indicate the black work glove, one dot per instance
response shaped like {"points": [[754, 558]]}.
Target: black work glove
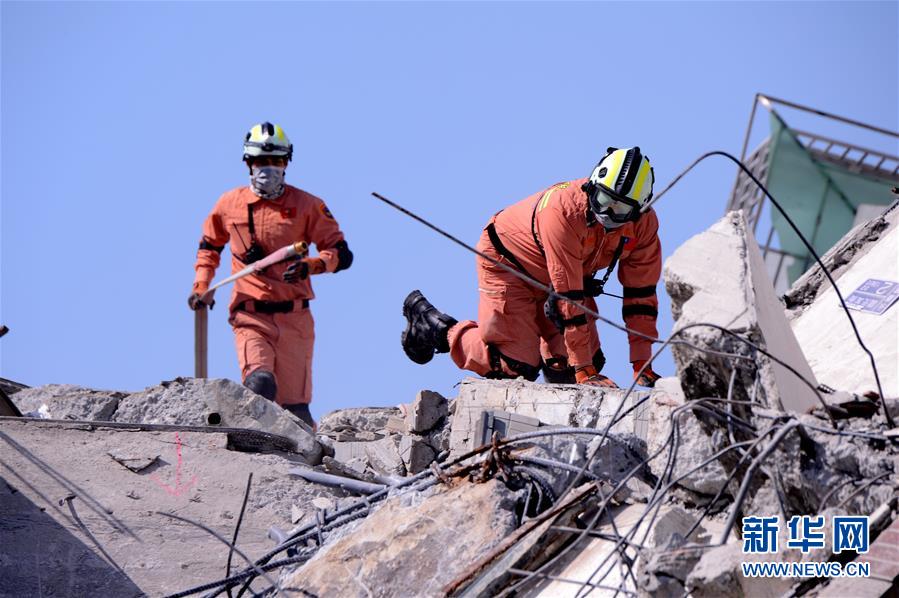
{"points": [[297, 271], [301, 269], [593, 287], [552, 313], [195, 303]]}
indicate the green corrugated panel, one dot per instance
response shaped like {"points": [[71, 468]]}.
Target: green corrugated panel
{"points": [[820, 198]]}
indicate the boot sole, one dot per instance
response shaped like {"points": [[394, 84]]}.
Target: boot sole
{"points": [[419, 357]]}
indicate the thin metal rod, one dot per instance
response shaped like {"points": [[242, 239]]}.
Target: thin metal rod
{"points": [[243, 507], [514, 271], [220, 538], [747, 479], [755, 103], [864, 486], [844, 119]]}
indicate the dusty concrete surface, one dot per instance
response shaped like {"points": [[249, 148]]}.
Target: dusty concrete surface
{"points": [[410, 547], [182, 401], [69, 507], [827, 337]]}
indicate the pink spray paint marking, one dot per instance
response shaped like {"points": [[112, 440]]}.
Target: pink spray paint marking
{"points": [[178, 489]]}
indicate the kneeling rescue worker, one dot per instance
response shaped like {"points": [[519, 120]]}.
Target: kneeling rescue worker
{"points": [[269, 311], [562, 237]]}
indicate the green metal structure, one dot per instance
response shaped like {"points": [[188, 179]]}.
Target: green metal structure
{"points": [[826, 186]]}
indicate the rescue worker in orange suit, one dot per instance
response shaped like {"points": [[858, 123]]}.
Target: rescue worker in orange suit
{"points": [[269, 312], [562, 236]]}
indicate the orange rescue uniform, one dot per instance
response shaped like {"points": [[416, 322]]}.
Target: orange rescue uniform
{"points": [[556, 239], [273, 326]]}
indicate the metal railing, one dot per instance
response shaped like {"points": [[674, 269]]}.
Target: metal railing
{"points": [[851, 157]]}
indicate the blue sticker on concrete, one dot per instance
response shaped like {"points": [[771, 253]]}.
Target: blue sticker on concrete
{"points": [[874, 296]]}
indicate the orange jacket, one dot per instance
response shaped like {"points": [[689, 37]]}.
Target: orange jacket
{"points": [[559, 242], [295, 216]]}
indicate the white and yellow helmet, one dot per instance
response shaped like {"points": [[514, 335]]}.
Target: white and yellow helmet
{"points": [[266, 139], [621, 184]]}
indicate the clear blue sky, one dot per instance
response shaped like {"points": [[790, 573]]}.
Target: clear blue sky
{"points": [[122, 123]]}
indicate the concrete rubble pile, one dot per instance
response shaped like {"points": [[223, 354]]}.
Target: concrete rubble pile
{"points": [[510, 487]]}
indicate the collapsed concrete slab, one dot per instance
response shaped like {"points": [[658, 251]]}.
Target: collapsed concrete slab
{"points": [[598, 561], [215, 402], [820, 323], [426, 411], [351, 424], [718, 277], [182, 401], [553, 404], [410, 546], [838, 259], [76, 520], [392, 441], [67, 401]]}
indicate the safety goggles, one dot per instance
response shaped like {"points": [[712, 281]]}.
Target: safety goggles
{"points": [[618, 208]]}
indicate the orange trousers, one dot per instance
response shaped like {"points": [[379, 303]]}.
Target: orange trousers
{"points": [[510, 318], [278, 343]]}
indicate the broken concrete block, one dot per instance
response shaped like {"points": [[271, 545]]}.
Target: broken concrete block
{"points": [[344, 452], [357, 419], [672, 526], [428, 408], [132, 460], [416, 454], [719, 277], [662, 573], [215, 402], [67, 401], [811, 466], [694, 447], [824, 331], [410, 548], [719, 573], [551, 404], [384, 456], [396, 424], [439, 438], [617, 456]]}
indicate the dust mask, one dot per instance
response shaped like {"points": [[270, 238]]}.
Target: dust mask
{"points": [[267, 181], [607, 223]]}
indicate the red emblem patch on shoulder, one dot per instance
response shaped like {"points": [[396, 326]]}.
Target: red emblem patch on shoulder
{"points": [[325, 211], [288, 212]]}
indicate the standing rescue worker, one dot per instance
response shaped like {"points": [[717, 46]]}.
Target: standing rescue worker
{"points": [[561, 237], [273, 326]]}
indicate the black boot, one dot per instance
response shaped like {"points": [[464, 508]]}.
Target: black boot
{"points": [[301, 410], [426, 329], [263, 383], [557, 371]]}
